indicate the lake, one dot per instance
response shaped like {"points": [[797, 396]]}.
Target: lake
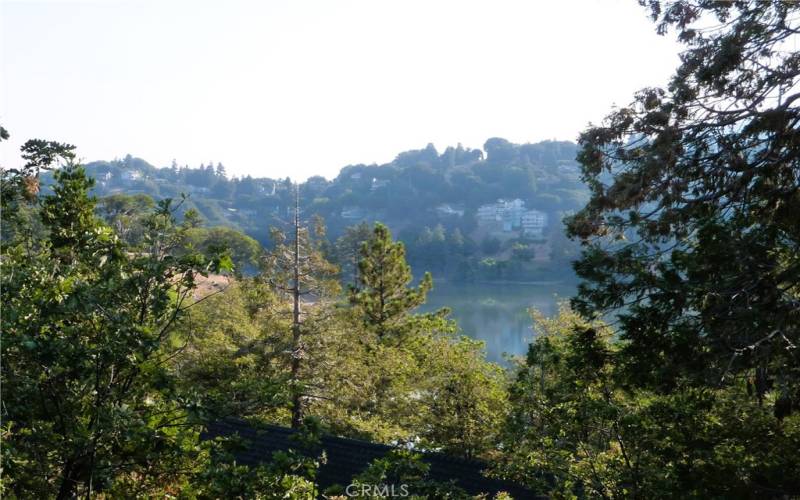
{"points": [[498, 314]]}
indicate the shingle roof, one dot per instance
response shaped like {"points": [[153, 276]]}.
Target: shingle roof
{"points": [[349, 457]]}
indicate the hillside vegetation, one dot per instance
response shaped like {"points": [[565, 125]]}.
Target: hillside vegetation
{"points": [[429, 199]]}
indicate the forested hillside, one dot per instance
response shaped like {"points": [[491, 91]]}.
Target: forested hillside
{"points": [[429, 199]]}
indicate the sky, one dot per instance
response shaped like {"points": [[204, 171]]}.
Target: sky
{"points": [[298, 88]]}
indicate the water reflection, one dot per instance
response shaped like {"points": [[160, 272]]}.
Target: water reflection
{"points": [[498, 314]]}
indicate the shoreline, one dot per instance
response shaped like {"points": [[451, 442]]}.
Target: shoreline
{"points": [[503, 282]]}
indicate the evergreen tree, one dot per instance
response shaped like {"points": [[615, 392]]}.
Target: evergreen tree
{"points": [[692, 231], [220, 171], [383, 297], [298, 268]]}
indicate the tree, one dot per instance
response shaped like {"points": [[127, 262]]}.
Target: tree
{"points": [[691, 238], [578, 429], [466, 397], [22, 185], [229, 363], [692, 224], [423, 380], [298, 268], [456, 241], [561, 426], [220, 171], [348, 250], [499, 151], [127, 214], [402, 473], [192, 219], [86, 328], [382, 297], [245, 252]]}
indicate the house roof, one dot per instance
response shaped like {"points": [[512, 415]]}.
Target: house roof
{"points": [[349, 457]]}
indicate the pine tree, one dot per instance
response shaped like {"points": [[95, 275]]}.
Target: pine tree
{"points": [[220, 171], [383, 296], [297, 268]]}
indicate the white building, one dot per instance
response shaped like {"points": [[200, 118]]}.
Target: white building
{"points": [[447, 210], [512, 213], [267, 188], [131, 175], [533, 223], [487, 213], [378, 183], [353, 213], [507, 212]]}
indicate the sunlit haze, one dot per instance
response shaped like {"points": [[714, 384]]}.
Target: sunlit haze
{"points": [[301, 88]]}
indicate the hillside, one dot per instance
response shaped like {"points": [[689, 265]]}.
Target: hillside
{"points": [[464, 213]]}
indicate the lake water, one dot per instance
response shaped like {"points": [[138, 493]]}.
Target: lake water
{"points": [[498, 314]]}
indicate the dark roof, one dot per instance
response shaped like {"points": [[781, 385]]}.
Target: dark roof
{"points": [[349, 457]]}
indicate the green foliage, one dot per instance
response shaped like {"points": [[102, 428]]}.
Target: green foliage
{"points": [[298, 268], [245, 252], [691, 232], [691, 237], [465, 401], [414, 379], [117, 358], [382, 296], [84, 325], [228, 363], [290, 474], [347, 251], [402, 473], [128, 215], [578, 429], [20, 186], [544, 175]]}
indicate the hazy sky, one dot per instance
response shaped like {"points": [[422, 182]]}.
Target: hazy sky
{"points": [[300, 88]]}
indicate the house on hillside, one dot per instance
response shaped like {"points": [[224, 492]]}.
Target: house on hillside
{"points": [[533, 223], [447, 210], [378, 183], [131, 175], [353, 213], [104, 178], [487, 214], [266, 188], [506, 214]]}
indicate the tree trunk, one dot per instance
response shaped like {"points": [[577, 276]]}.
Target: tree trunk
{"points": [[297, 348], [68, 483]]}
